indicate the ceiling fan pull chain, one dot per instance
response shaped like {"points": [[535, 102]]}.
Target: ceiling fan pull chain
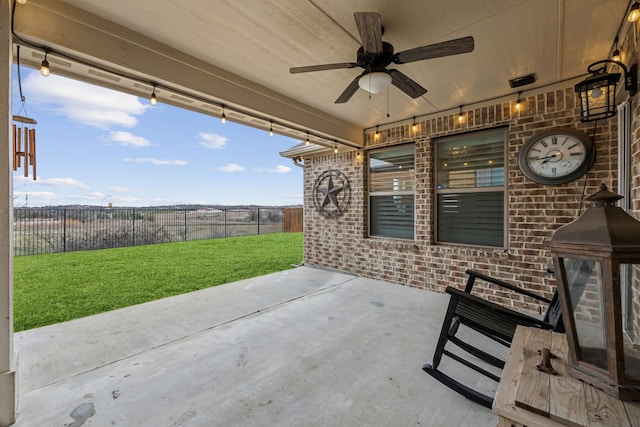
{"points": [[388, 115]]}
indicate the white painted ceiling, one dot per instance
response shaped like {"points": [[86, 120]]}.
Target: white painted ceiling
{"points": [[260, 40]]}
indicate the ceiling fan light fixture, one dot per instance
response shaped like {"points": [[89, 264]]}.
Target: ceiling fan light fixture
{"points": [[374, 82]]}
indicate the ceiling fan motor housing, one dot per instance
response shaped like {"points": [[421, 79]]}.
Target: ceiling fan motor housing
{"points": [[375, 61]]}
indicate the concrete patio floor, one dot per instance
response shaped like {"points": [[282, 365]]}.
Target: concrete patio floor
{"points": [[303, 347]]}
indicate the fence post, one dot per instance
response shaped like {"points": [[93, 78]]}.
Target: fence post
{"points": [[185, 225], [64, 231], [133, 226]]}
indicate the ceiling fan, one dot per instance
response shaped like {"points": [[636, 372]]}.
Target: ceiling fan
{"points": [[375, 55]]}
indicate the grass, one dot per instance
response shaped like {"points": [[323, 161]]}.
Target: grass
{"points": [[58, 287]]}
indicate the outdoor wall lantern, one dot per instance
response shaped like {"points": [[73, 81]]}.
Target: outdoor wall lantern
{"points": [[597, 92], [596, 257]]}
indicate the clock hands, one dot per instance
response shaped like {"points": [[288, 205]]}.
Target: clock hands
{"points": [[546, 158]]}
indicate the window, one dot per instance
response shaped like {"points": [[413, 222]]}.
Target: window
{"points": [[470, 189], [391, 192]]}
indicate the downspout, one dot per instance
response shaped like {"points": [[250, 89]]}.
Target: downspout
{"points": [[296, 161]]}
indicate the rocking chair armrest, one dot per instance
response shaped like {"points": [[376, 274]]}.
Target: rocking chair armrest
{"points": [[476, 274]]}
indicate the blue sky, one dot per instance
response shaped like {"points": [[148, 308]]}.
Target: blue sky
{"points": [[96, 146]]}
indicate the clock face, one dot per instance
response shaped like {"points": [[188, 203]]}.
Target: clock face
{"points": [[557, 156]]}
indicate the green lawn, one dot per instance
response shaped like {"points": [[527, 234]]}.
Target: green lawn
{"points": [[54, 288]]}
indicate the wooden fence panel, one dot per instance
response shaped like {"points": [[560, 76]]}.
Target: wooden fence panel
{"points": [[293, 220]]}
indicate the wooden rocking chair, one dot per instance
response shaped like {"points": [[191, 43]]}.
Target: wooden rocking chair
{"points": [[489, 319]]}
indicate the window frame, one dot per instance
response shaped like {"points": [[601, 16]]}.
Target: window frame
{"points": [[371, 194], [474, 190]]}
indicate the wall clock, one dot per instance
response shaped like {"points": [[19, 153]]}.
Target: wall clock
{"points": [[556, 156]]}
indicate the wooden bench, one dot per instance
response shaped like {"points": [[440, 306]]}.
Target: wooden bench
{"points": [[489, 319]]}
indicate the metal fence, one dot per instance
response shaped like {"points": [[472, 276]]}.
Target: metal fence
{"points": [[48, 230]]}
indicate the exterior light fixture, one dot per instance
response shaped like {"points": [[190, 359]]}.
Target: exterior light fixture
{"points": [[223, 118], [616, 52], [460, 116], [634, 13], [335, 149], [596, 257], [271, 128], [44, 66], [518, 103], [414, 127], [597, 92], [307, 142], [154, 98], [374, 82], [377, 134]]}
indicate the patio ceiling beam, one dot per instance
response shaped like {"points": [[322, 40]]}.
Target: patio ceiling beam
{"points": [[109, 46]]}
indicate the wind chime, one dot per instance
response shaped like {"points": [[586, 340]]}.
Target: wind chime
{"points": [[24, 145]]}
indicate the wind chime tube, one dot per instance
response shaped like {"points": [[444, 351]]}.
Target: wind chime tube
{"points": [[19, 147], [32, 157], [26, 152], [15, 149]]}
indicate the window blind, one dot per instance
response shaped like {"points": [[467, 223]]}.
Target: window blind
{"points": [[391, 190]]}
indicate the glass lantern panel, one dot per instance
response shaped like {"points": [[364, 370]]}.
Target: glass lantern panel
{"points": [[585, 283], [630, 283]]}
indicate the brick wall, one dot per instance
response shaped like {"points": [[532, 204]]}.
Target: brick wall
{"points": [[534, 210]]}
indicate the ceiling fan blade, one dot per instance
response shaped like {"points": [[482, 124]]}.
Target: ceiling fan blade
{"points": [[405, 84], [323, 67], [437, 50], [370, 29], [349, 91]]}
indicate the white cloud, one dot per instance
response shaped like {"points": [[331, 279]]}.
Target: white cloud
{"points": [[93, 196], [127, 139], [84, 103], [277, 169], [212, 140], [157, 162], [37, 195], [62, 182], [231, 167], [118, 189]]}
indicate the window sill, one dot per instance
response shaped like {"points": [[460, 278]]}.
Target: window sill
{"points": [[389, 243]]}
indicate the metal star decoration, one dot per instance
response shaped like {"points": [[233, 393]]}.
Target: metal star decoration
{"points": [[331, 193]]}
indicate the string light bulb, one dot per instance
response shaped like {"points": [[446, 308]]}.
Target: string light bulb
{"points": [[154, 98], [44, 66], [616, 52], [271, 128], [634, 13], [223, 117]]}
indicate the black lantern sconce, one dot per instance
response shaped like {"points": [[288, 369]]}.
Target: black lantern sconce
{"points": [[597, 92]]}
